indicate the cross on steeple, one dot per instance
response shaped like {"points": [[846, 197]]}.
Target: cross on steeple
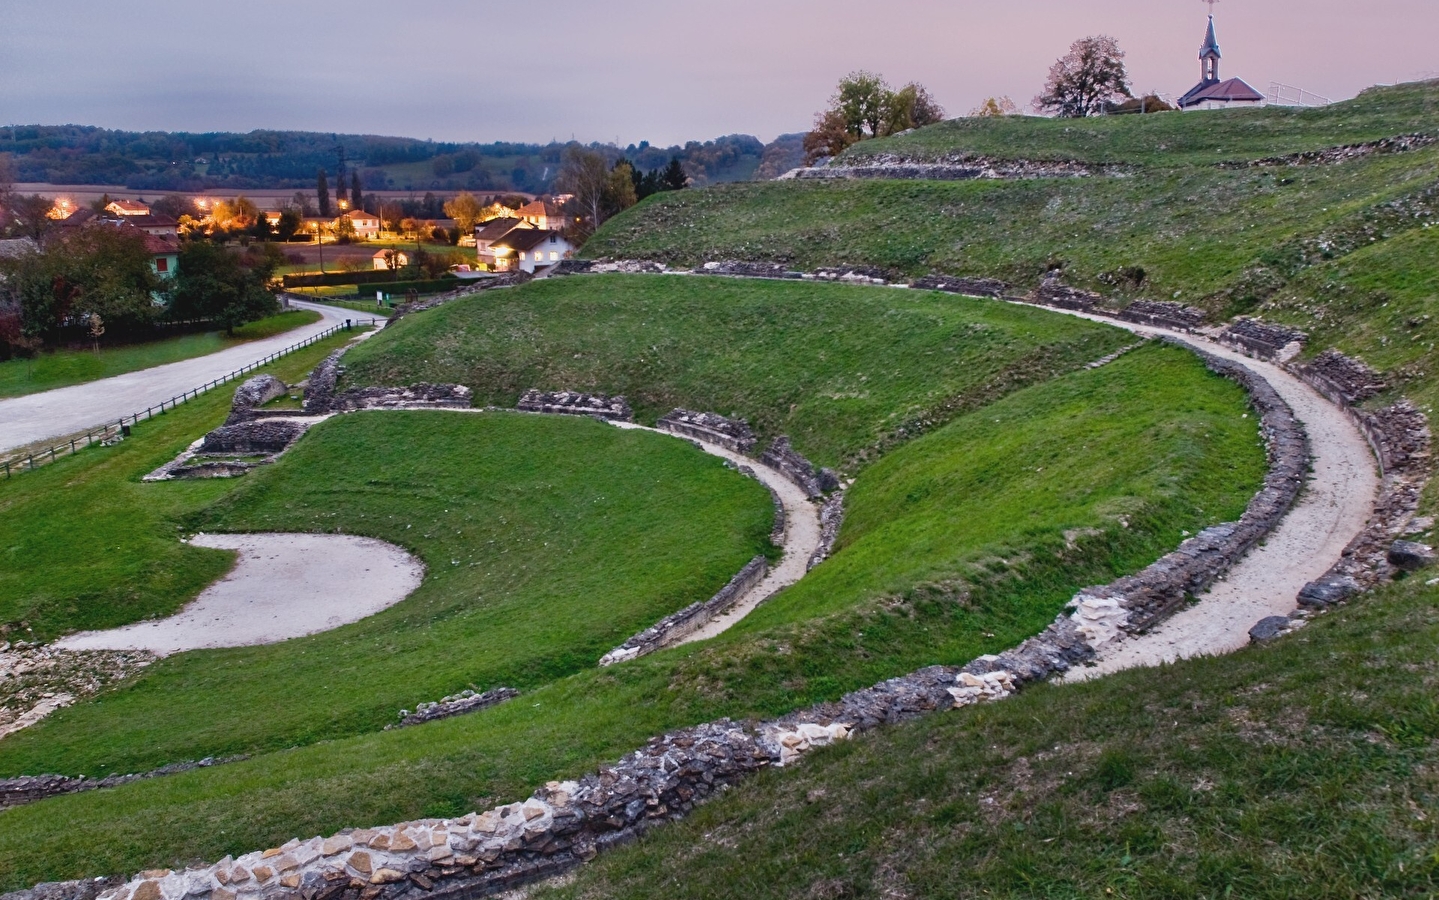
{"points": [[1209, 55]]}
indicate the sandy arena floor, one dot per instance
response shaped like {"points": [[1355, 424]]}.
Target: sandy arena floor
{"points": [[283, 586]]}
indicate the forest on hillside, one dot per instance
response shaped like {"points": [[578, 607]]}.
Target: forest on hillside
{"points": [[179, 161]]}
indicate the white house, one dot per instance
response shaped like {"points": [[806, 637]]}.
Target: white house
{"points": [[366, 225], [530, 249], [382, 259]]}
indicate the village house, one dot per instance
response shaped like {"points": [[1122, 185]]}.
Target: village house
{"points": [[164, 254], [487, 233], [365, 225], [1210, 92], [526, 250], [157, 224], [543, 214], [127, 208], [384, 258]]}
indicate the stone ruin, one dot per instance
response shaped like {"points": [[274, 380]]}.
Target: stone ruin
{"points": [[1342, 379], [736, 269], [784, 459], [457, 705], [692, 618], [1054, 292], [253, 394], [1164, 314], [971, 287], [423, 395], [1263, 339], [734, 435], [573, 403]]}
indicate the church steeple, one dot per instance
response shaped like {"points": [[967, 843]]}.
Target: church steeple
{"points": [[1209, 56]]}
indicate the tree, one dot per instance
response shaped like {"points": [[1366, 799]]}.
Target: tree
{"points": [[89, 271], [585, 174], [829, 137], [912, 107], [390, 215], [29, 216], [322, 192], [466, 210], [301, 202], [262, 229], [673, 178], [994, 107], [1085, 80], [864, 100], [176, 206], [357, 196], [619, 192], [214, 283], [289, 224]]}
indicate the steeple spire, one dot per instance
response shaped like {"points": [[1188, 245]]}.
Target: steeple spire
{"points": [[1209, 55]]}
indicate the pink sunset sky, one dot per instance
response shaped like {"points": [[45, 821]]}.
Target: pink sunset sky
{"points": [[636, 70]]}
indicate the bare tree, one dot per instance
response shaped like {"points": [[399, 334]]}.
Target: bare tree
{"points": [[1085, 80], [994, 107], [585, 174]]}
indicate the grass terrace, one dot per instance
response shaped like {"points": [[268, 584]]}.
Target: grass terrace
{"points": [[960, 542]]}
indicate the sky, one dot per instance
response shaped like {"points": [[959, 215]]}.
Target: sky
{"points": [[632, 70]]}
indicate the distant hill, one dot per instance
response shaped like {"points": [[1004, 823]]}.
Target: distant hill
{"points": [[180, 161]]}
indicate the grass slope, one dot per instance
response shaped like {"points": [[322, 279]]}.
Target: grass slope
{"points": [[1151, 441], [1172, 140], [66, 367], [546, 541], [842, 370], [1306, 769]]}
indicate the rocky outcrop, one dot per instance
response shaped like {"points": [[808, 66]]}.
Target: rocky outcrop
{"points": [[692, 618], [258, 436], [972, 287], [573, 403], [734, 435], [736, 269], [783, 458], [417, 396], [456, 705], [253, 394], [1164, 314], [1263, 339]]}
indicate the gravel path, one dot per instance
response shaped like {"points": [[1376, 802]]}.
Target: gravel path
{"points": [[284, 586], [801, 536], [1334, 507], [52, 414]]}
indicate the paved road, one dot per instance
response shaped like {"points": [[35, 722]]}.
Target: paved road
{"points": [[63, 411]]}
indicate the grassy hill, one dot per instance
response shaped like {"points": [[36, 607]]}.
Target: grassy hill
{"points": [[955, 545]]}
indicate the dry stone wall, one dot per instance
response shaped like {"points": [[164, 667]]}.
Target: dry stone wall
{"points": [[1263, 339], [457, 705], [417, 396], [573, 403], [687, 621], [783, 458], [253, 394], [734, 435], [256, 436]]}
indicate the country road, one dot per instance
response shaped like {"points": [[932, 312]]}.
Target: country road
{"points": [[52, 414]]}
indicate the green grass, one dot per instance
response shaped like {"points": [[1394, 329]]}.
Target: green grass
{"points": [[546, 541], [1179, 139], [1152, 438], [61, 368], [83, 544], [1306, 769], [845, 371]]}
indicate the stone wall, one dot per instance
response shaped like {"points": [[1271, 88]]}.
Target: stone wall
{"points": [[1344, 380], [251, 395], [784, 459], [573, 403], [1331, 155], [972, 287], [748, 270], [1054, 292], [692, 618], [466, 289], [29, 788], [831, 519], [1262, 339], [457, 705], [320, 389], [734, 435], [417, 396], [951, 168], [258, 436], [1164, 314]]}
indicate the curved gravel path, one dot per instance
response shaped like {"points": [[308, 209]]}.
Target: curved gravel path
{"points": [[283, 586], [52, 414], [801, 536], [1335, 506]]}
